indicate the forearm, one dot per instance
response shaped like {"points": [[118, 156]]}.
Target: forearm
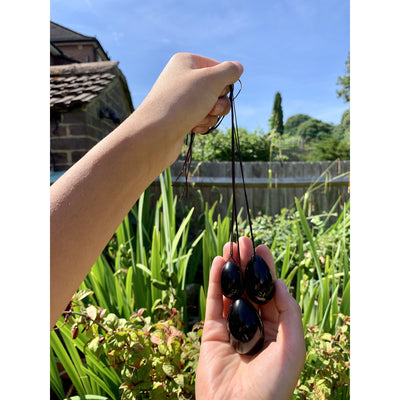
{"points": [[92, 198]]}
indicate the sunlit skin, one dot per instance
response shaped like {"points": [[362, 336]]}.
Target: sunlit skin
{"points": [[92, 198], [270, 374]]}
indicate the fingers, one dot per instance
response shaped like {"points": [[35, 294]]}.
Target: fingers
{"points": [[221, 108], [196, 87], [214, 305], [229, 71], [224, 74], [243, 252]]}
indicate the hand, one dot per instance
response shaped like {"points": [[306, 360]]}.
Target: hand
{"points": [[190, 93], [270, 374]]}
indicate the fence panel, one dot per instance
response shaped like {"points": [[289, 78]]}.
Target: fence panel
{"points": [[268, 192]]}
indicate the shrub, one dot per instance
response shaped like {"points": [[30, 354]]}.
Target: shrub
{"points": [[217, 146], [154, 360], [326, 370]]}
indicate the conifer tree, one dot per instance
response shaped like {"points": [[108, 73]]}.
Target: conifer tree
{"points": [[276, 120]]}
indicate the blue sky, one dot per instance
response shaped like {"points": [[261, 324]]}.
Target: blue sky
{"points": [[296, 47]]}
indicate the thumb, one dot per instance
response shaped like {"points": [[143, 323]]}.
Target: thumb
{"points": [[226, 73], [290, 329]]}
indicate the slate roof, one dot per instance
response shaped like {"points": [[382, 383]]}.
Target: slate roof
{"points": [[80, 83], [60, 33]]}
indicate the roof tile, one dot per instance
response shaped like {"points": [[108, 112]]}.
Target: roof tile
{"points": [[79, 83]]}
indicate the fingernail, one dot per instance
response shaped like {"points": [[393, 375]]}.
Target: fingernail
{"points": [[282, 283], [240, 66], [218, 109]]}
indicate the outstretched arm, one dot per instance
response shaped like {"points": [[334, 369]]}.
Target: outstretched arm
{"points": [[91, 199]]}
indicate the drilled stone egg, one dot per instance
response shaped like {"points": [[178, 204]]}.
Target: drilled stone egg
{"points": [[245, 327], [259, 285], [232, 284]]}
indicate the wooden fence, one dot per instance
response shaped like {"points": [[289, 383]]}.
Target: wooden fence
{"points": [[267, 191]]}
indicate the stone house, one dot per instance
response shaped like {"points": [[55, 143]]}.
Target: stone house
{"points": [[89, 96]]}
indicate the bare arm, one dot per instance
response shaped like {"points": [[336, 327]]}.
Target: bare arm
{"points": [[91, 199]]}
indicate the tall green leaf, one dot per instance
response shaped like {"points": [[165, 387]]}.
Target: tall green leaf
{"points": [[345, 304], [314, 254], [55, 380], [67, 362], [202, 303]]}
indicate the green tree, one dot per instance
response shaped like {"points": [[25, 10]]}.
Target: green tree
{"points": [[345, 121], [343, 129], [329, 149], [344, 81], [314, 128], [294, 121], [276, 119]]}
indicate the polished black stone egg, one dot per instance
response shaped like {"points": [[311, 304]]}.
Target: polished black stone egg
{"points": [[232, 284], [245, 327], [259, 285]]}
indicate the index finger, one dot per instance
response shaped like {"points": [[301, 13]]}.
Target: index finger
{"points": [[214, 303]]}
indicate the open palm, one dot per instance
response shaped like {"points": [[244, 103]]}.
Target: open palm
{"points": [[272, 373]]}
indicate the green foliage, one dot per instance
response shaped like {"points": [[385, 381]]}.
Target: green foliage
{"points": [[154, 360], [216, 234], [345, 120], [342, 131], [145, 359], [321, 142], [312, 257], [331, 146], [68, 342], [344, 81], [124, 331], [329, 149], [314, 128], [293, 122], [147, 260], [326, 370], [312, 254], [217, 146], [276, 119]]}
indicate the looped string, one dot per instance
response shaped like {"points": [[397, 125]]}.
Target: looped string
{"points": [[190, 139], [235, 150]]}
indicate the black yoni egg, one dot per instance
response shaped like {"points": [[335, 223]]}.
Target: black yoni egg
{"points": [[258, 281], [231, 281], [245, 327]]}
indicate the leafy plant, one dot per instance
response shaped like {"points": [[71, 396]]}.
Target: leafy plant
{"points": [[125, 329], [68, 341], [312, 254], [146, 263], [326, 370], [141, 358], [217, 146]]}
